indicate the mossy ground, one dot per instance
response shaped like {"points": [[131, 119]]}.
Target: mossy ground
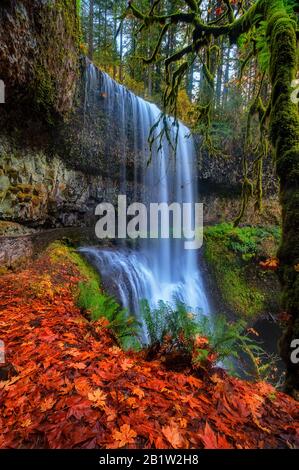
{"points": [[233, 256], [59, 250]]}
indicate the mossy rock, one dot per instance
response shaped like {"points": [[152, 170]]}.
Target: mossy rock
{"points": [[8, 229], [233, 256]]}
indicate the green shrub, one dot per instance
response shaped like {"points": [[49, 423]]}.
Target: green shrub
{"points": [[100, 305], [243, 240]]}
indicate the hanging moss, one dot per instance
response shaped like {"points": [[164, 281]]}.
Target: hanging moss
{"points": [[57, 65]]}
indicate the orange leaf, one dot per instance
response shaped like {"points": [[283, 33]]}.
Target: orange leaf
{"points": [[194, 381], [25, 422], [47, 404], [270, 264], [79, 365], [212, 441], [183, 423], [111, 414], [209, 438], [132, 402], [82, 386], [138, 392], [98, 398], [124, 436], [127, 364], [173, 436]]}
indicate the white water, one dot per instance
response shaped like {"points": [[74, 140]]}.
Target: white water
{"points": [[155, 269]]}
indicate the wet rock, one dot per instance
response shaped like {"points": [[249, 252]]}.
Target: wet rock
{"points": [[41, 192]]}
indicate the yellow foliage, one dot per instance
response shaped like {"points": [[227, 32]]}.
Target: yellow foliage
{"points": [[43, 288], [186, 110]]}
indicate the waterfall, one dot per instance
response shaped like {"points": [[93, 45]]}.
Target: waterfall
{"points": [[153, 269]]}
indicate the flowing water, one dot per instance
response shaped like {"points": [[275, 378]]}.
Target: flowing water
{"points": [[154, 269]]}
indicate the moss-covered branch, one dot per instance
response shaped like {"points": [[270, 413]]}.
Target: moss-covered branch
{"points": [[153, 57], [152, 18], [284, 134]]}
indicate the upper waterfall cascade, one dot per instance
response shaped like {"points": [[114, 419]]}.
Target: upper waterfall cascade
{"points": [[155, 269]]}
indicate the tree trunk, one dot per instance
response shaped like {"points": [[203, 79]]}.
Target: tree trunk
{"points": [[91, 29], [284, 131], [121, 54], [218, 97], [226, 77]]}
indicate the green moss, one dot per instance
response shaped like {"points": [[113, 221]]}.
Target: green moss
{"points": [[25, 193], [71, 17], [284, 132], [21, 190], [233, 255], [59, 251], [45, 90], [60, 40]]}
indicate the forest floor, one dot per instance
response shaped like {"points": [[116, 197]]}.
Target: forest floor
{"points": [[66, 383]]}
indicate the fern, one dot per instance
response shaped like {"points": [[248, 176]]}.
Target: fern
{"points": [[167, 320], [290, 7], [229, 340], [232, 341]]}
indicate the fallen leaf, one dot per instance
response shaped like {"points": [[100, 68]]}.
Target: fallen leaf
{"points": [[138, 392], [98, 397], [124, 436], [173, 436]]}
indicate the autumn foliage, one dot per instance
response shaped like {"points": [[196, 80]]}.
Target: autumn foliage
{"points": [[271, 264], [66, 384]]}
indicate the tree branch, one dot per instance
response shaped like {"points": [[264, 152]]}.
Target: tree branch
{"points": [[151, 59], [173, 18]]}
